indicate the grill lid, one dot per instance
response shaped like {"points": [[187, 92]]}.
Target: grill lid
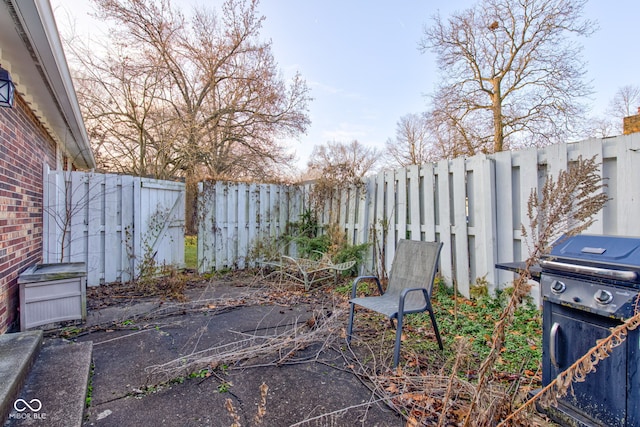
{"points": [[608, 257], [598, 249]]}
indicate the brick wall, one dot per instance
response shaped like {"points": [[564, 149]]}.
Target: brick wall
{"points": [[631, 124], [25, 146]]}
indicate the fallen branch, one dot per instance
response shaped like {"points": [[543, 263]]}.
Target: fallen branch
{"points": [[294, 338], [334, 413]]}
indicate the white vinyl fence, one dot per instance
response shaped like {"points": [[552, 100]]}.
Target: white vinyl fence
{"points": [[475, 206], [112, 223], [233, 217]]}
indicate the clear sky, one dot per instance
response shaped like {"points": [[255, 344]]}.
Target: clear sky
{"points": [[361, 59]]}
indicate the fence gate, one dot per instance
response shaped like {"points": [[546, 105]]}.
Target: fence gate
{"points": [[112, 223]]}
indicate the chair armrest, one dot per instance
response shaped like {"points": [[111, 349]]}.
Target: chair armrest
{"points": [[359, 278], [404, 293]]}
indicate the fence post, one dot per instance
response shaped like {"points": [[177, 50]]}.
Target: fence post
{"points": [[484, 217]]}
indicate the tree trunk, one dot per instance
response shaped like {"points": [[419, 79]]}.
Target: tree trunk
{"points": [[496, 101]]}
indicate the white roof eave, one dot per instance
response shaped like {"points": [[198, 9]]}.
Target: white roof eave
{"points": [[31, 50]]}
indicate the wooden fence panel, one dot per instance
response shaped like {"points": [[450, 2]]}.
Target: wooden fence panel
{"points": [[105, 220], [474, 206]]}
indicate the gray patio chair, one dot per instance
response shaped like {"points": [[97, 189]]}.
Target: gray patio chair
{"points": [[409, 290]]}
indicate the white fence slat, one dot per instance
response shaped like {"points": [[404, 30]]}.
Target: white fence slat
{"points": [[368, 225], [592, 148], [413, 203], [232, 226], [363, 201], [390, 218], [283, 218], [127, 221], [253, 216], [274, 209], [485, 248], [136, 235], [443, 227], [428, 217], [263, 217], [342, 208], [505, 173], [77, 247], [113, 233], [241, 225], [205, 226], [460, 227], [281, 209], [402, 207], [220, 230], [52, 211], [349, 225], [380, 223], [557, 160], [529, 182], [95, 207], [610, 214]]}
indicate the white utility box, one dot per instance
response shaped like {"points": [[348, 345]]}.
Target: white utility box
{"points": [[52, 293]]}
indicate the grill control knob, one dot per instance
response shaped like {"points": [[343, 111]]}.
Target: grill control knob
{"points": [[603, 297], [557, 287]]}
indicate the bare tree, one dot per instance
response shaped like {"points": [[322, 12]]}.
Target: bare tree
{"points": [[198, 98], [625, 102], [511, 71], [602, 127], [336, 167], [342, 163], [128, 121], [413, 142]]}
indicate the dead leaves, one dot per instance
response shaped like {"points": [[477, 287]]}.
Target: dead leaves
{"points": [[421, 397]]}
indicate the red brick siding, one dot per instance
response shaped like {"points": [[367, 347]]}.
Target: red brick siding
{"points": [[25, 146], [631, 124]]}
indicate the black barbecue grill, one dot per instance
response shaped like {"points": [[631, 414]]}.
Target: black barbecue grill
{"points": [[590, 284]]}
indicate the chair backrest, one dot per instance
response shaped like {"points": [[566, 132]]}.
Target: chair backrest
{"points": [[414, 266]]}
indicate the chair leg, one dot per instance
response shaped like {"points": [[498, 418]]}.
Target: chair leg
{"points": [[396, 350], [435, 327], [350, 326]]}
